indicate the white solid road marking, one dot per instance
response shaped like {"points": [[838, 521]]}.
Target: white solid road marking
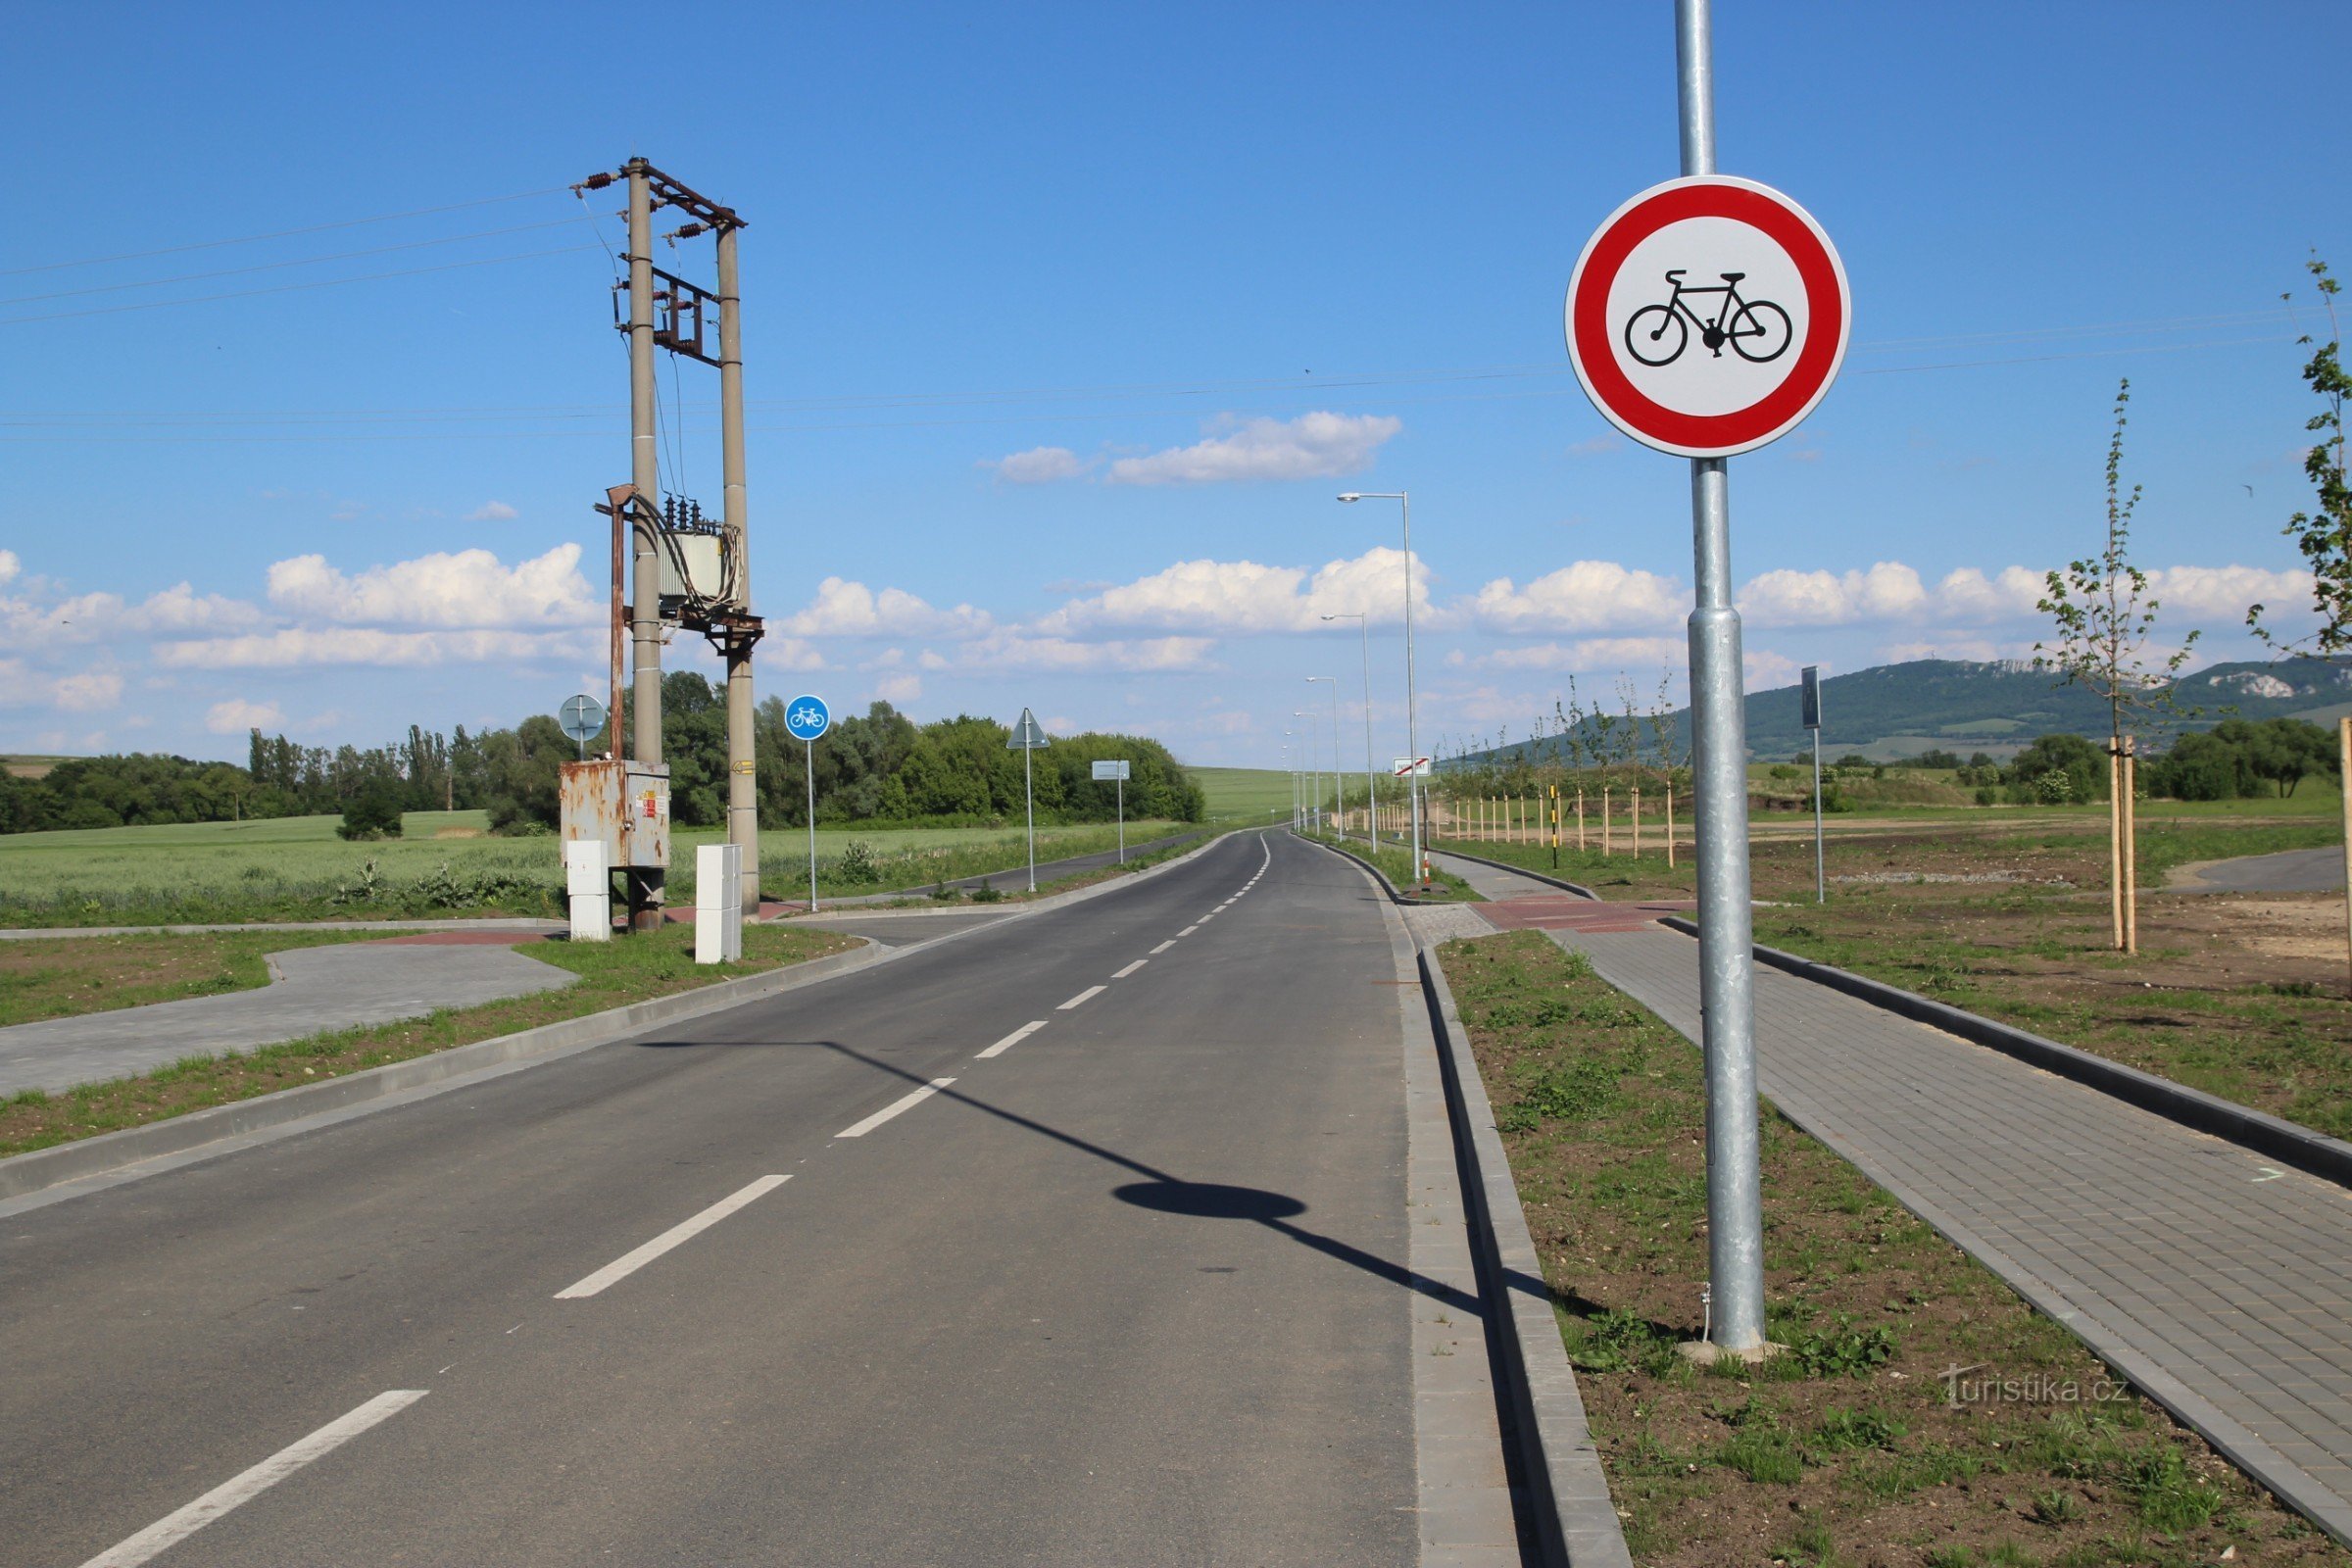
{"points": [[628, 1263], [1130, 969], [1012, 1039], [1163, 947], [1089, 992], [178, 1527], [903, 1102]]}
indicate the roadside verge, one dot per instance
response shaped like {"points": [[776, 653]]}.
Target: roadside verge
{"points": [[1568, 1494]]}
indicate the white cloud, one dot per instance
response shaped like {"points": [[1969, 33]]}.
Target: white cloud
{"points": [[1887, 591], [492, 512], [1980, 650], [10, 566], [1968, 595], [469, 588], [1015, 650], [364, 645], [1312, 446], [1039, 466], [1246, 597], [844, 609], [237, 716], [1599, 654], [904, 688], [2225, 592], [1766, 669], [1586, 596], [179, 608], [88, 692]]}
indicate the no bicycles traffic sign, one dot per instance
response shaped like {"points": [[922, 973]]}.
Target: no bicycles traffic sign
{"points": [[1707, 315]]}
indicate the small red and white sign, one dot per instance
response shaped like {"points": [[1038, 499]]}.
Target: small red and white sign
{"points": [[1707, 315]]}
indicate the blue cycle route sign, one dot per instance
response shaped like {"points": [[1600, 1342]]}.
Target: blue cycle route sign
{"points": [[808, 718]]}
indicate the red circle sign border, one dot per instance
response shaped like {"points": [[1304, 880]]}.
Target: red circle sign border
{"points": [[1709, 435]]}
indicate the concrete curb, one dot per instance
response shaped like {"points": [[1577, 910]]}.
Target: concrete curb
{"points": [[1378, 875], [84, 1160], [1576, 1521], [2300, 1147], [1577, 887]]}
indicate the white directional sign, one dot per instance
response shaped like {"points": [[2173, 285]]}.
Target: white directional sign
{"points": [[1104, 773], [1707, 315], [1406, 764]]}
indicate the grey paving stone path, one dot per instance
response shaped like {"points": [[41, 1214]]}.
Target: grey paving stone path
{"points": [[2218, 1285], [323, 988]]}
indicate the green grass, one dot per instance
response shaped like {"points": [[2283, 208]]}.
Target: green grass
{"points": [[1835, 1451], [1244, 795], [1398, 866], [296, 868], [70, 976]]}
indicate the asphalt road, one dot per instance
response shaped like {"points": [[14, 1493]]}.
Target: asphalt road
{"points": [[2320, 870], [1131, 1289]]}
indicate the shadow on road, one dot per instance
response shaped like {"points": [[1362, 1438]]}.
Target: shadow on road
{"points": [[1168, 1194]]}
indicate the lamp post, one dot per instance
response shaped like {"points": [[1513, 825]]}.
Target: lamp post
{"points": [[1289, 765], [1364, 623], [1412, 730], [1314, 767], [1338, 798]]}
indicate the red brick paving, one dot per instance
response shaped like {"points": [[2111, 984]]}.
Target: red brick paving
{"points": [[1563, 911]]}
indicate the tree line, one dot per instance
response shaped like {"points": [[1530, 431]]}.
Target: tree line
{"points": [[878, 767]]}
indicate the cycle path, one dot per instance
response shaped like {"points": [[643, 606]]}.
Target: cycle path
{"points": [[2219, 1286]]}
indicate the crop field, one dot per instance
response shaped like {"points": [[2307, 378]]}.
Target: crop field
{"points": [[1244, 794], [444, 862]]}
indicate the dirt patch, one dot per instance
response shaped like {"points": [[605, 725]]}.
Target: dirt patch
{"points": [[2295, 929], [1855, 1447], [461, 833]]}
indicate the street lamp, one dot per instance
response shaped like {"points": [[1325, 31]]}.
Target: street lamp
{"points": [[1289, 765], [1338, 799], [1412, 731], [1314, 765], [1364, 623]]}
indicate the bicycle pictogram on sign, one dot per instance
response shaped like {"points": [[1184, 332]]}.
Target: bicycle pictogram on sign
{"points": [[1757, 331]]}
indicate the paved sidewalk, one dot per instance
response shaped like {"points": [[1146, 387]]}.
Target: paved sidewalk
{"points": [[320, 988], [2220, 1286]]}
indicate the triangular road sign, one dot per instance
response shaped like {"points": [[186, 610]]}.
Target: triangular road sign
{"points": [[1027, 735]]}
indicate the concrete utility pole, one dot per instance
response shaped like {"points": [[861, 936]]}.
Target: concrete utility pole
{"points": [[669, 314], [743, 797], [645, 576], [1719, 737]]}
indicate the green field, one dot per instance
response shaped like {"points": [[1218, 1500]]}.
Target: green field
{"points": [[1244, 794], [444, 862]]}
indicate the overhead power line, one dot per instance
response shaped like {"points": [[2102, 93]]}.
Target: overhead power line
{"points": [[284, 233]]}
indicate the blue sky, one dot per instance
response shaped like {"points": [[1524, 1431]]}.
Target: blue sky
{"points": [[1193, 269]]}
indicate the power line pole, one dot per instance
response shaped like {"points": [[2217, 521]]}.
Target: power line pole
{"points": [[645, 576], [743, 797], [706, 569]]}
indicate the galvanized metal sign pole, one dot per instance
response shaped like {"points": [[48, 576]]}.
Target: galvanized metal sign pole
{"points": [[1719, 723], [1027, 738], [1707, 316], [806, 719]]}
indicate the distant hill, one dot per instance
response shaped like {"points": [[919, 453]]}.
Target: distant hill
{"points": [[1894, 711]]}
